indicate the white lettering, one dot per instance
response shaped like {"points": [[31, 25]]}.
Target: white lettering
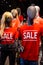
{"points": [[35, 35], [11, 36], [7, 36], [30, 35], [24, 34]]}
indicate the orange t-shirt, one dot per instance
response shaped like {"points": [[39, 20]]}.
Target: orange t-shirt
{"points": [[15, 23], [38, 20]]}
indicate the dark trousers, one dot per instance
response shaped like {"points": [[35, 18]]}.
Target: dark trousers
{"points": [[26, 62], [7, 52]]}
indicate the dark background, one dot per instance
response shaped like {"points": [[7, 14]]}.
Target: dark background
{"points": [[7, 5]]}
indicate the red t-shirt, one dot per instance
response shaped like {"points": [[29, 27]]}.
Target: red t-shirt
{"points": [[21, 18], [9, 36], [30, 36]]}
